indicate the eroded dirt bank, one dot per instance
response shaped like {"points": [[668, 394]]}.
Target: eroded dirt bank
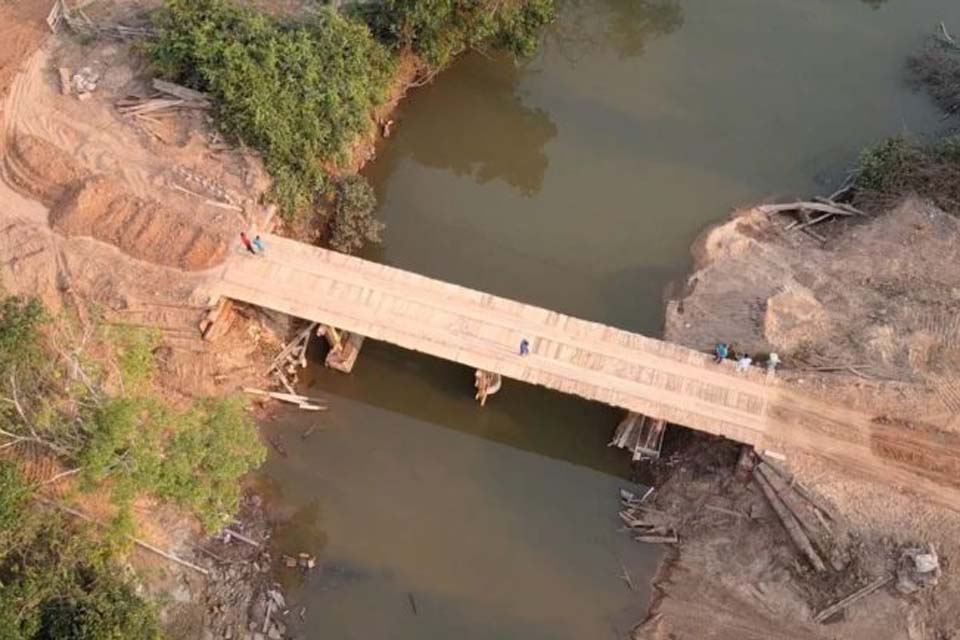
{"points": [[867, 318]]}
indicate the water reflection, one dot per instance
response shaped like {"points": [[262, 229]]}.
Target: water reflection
{"points": [[488, 133], [623, 26]]}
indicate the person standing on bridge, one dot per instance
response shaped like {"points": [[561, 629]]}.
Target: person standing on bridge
{"points": [[720, 352], [258, 245], [743, 363], [772, 363], [524, 347], [245, 239]]}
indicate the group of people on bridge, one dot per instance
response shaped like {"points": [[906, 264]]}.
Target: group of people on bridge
{"points": [[255, 246], [722, 351]]}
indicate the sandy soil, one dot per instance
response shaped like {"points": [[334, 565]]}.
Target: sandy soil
{"points": [[869, 319]]}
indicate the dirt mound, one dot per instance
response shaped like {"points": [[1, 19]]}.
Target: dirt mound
{"points": [[879, 296], [146, 230], [40, 169], [792, 318]]}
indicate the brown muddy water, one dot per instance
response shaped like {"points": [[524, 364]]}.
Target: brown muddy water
{"points": [[575, 181]]}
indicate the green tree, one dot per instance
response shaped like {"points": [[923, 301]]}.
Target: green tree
{"points": [[300, 94], [57, 581]]}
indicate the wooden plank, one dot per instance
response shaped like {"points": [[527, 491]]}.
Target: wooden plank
{"points": [[859, 594], [180, 91], [790, 523]]}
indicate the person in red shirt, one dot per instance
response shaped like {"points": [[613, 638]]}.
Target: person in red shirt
{"points": [[246, 242]]}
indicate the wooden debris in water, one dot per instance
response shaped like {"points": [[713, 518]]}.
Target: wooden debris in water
{"points": [[293, 355], [651, 525], [230, 534], [303, 402]]}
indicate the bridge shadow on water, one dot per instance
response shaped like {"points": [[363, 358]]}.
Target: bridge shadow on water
{"points": [[438, 392]]}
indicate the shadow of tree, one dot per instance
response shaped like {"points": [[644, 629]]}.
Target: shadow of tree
{"points": [[622, 26], [490, 134]]}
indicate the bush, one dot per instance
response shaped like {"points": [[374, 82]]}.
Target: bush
{"points": [[193, 458], [879, 163], [353, 223], [14, 496], [439, 30], [898, 167], [212, 446], [20, 323], [133, 348], [56, 582], [300, 94]]}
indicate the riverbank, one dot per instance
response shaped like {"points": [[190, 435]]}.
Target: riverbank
{"points": [[863, 314], [93, 205]]}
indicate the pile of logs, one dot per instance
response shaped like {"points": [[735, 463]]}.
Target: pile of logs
{"points": [[805, 518], [167, 96], [80, 23], [645, 523], [291, 358], [811, 213], [641, 435]]}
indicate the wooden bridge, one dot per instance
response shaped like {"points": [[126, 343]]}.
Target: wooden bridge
{"points": [[594, 361]]}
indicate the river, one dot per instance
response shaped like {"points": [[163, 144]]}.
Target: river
{"points": [[576, 181]]}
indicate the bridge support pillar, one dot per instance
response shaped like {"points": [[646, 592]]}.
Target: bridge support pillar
{"points": [[487, 384], [218, 320], [641, 435], [344, 348]]}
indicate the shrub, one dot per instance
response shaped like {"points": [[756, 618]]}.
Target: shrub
{"points": [[193, 458], [353, 223], [57, 582], [212, 446], [21, 351], [899, 167], [439, 30], [300, 94], [14, 495]]}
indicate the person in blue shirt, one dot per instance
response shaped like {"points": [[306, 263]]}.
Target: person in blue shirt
{"points": [[524, 347], [720, 352]]}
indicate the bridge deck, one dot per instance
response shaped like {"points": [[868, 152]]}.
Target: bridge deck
{"points": [[570, 355]]}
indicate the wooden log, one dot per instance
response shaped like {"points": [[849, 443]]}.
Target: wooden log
{"points": [[290, 346], [180, 91], [798, 487], [66, 85], [314, 404], [853, 597], [671, 538], [800, 509], [819, 207], [242, 538], [813, 221], [137, 541], [789, 522], [840, 205]]}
